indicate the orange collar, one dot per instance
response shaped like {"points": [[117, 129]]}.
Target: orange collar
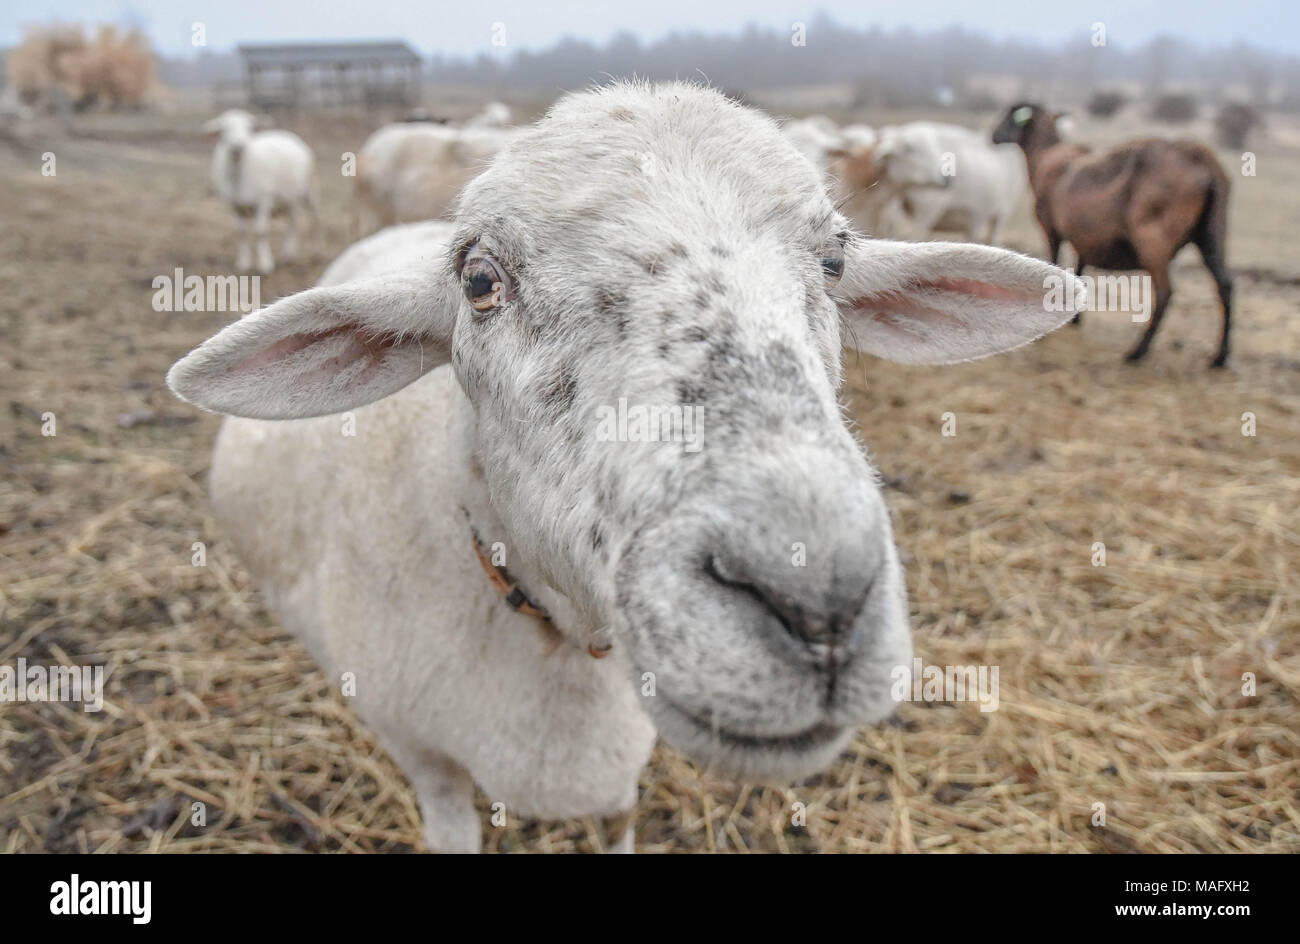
{"points": [[517, 599]]}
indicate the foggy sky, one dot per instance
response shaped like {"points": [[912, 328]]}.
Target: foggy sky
{"points": [[464, 27]]}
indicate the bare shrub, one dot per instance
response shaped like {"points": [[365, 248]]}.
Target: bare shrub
{"points": [[1175, 108], [55, 62], [1233, 124], [1105, 103]]}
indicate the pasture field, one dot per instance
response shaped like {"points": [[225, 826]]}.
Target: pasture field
{"points": [[1120, 684]]}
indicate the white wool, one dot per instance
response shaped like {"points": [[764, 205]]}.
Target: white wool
{"points": [[410, 171]]}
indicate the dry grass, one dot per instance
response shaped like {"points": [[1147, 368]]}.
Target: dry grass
{"points": [[1119, 684]]}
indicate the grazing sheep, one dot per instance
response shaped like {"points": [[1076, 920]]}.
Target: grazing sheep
{"points": [[408, 172], [260, 173], [846, 159], [856, 172], [946, 176], [1132, 207], [642, 247]]}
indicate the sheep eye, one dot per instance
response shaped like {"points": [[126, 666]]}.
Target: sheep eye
{"points": [[833, 262], [484, 282]]}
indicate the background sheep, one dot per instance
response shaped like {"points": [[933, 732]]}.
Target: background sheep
{"points": [[493, 115], [260, 173], [408, 172], [945, 176], [1131, 207], [846, 158]]}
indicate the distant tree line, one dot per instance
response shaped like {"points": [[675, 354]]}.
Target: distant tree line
{"points": [[899, 67]]}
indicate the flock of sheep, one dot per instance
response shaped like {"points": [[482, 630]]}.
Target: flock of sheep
{"points": [[469, 548], [404, 172], [1131, 208]]}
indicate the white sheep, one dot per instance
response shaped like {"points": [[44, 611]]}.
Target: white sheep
{"points": [[493, 115], [260, 173], [816, 138], [496, 506], [410, 171], [846, 159], [945, 175]]}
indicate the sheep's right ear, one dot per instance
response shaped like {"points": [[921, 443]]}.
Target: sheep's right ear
{"points": [[940, 303], [324, 350]]}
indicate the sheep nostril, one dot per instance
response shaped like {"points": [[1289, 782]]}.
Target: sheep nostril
{"points": [[827, 636]]}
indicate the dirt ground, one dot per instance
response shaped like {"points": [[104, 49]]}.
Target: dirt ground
{"points": [[1121, 684]]}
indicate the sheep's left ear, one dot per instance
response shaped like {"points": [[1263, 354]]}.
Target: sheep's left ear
{"points": [[324, 350], [939, 303]]}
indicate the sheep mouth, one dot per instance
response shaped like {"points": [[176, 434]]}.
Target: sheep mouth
{"points": [[799, 742]]}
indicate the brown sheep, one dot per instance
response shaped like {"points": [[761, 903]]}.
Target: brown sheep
{"points": [[1132, 207]]}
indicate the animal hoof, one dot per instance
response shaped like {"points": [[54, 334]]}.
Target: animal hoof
{"points": [[1135, 356], [1218, 363]]}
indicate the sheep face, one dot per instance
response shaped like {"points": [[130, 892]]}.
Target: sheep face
{"points": [[907, 163], [653, 351], [653, 357], [233, 125], [1017, 123], [643, 303]]}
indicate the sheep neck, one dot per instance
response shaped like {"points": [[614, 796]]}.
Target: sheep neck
{"points": [[519, 586]]}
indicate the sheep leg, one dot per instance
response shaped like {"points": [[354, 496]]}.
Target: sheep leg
{"points": [[888, 216], [313, 208], [445, 793], [1211, 249], [290, 248], [927, 210], [1164, 292], [1223, 282], [1054, 243], [1078, 316], [992, 228], [262, 230], [618, 839], [244, 259]]}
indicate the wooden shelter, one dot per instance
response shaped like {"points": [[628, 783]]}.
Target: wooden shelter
{"points": [[323, 74]]}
